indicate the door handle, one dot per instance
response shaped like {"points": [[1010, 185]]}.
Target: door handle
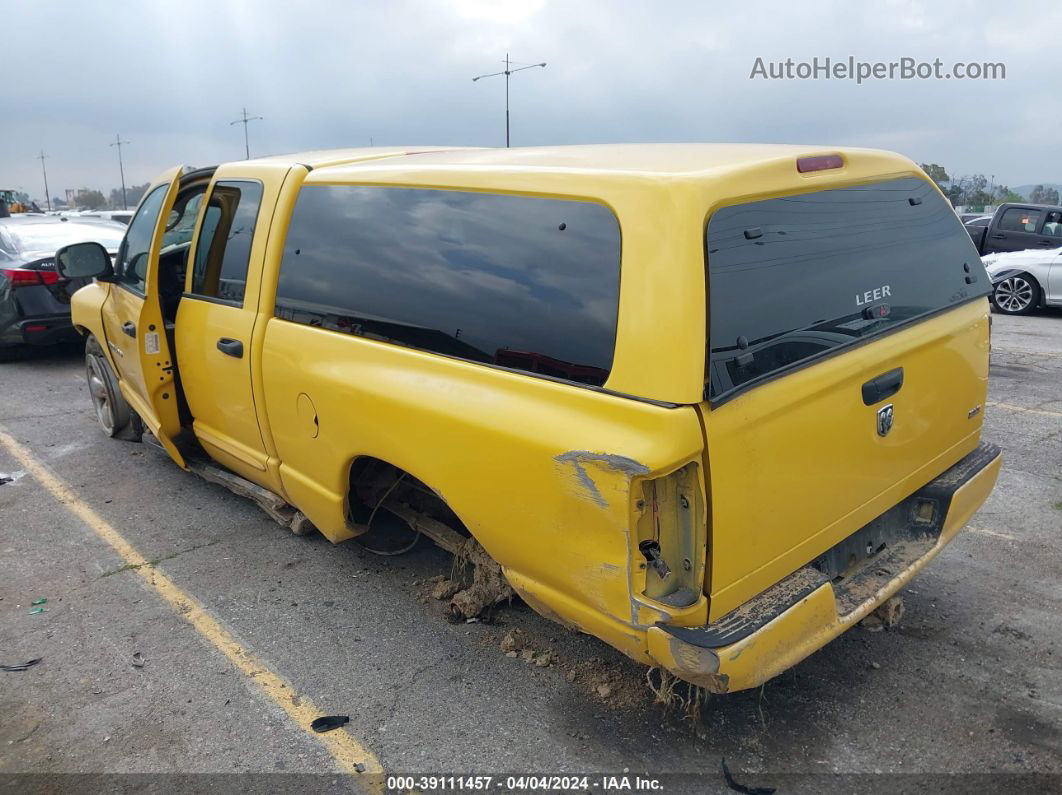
{"points": [[129, 328], [998, 236], [883, 386], [231, 347]]}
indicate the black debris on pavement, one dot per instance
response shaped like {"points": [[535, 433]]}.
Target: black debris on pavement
{"points": [[329, 722], [20, 666]]}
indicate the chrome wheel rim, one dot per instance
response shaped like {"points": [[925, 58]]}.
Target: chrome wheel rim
{"points": [[101, 396], [1014, 294]]}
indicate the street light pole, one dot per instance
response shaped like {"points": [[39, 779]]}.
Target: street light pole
{"points": [[508, 71], [244, 119], [121, 169], [47, 197]]}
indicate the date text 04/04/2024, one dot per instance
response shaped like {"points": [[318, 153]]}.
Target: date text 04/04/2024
{"points": [[531, 783]]}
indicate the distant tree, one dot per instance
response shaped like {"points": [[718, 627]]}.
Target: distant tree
{"points": [[1005, 194], [92, 199], [974, 193], [134, 193], [1042, 195], [132, 196], [956, 193], [936, 173]]}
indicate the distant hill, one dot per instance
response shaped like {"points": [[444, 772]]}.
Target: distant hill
{"points": [[1025, 190]]}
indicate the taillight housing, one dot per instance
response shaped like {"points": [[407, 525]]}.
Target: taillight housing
{"points": [[671, 537]]}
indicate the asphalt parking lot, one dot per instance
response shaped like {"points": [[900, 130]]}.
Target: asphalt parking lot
{"points": [[136, 678]]}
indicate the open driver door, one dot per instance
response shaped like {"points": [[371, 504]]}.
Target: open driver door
{"points": [[139, 332]]}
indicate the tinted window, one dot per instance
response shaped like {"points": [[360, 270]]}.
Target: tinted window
{"points": [[1053, 224], [131, 265], [224, 247], [793, 278], [1017, 219], [526, 283]]}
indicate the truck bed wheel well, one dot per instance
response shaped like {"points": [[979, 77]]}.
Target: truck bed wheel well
{"points": [[375, 484], [412, 506]]}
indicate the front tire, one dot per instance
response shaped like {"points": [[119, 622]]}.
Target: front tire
{"points": [[115, 416], [1016, 295]]}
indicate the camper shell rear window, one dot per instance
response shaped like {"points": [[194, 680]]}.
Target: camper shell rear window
{"points": [[796, 278]]}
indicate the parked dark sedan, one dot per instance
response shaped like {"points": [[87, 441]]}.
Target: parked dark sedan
{"points": [[34, 299]]}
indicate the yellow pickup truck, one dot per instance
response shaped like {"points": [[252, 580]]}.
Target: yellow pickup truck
{"points": [[713, 404]]}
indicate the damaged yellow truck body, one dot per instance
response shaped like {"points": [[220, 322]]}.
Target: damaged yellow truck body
{"points": [[712, 404]]}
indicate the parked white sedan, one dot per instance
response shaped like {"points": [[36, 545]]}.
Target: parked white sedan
{"points": [[1022, 281]]}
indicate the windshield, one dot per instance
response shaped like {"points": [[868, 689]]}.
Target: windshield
{"points": [[794, 278], [51, 236]]}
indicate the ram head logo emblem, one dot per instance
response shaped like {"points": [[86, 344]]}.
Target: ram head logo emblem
{"points": [[885, 420]]}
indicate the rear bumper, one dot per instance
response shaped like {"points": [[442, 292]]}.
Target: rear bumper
{"points": [[801, 614], [49, 330]]}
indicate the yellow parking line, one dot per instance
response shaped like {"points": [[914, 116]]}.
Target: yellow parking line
{"points": [[350, 755], [1023, 410]]}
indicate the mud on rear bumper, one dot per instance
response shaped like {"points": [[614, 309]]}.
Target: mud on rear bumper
{"points": [[818, 602]]}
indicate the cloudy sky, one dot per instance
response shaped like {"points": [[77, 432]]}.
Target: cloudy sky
{"points": [[170, 75]]}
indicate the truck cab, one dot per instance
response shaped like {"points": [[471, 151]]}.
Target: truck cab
{"points": [[1018, 227]]}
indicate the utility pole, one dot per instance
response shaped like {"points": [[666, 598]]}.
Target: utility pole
{"points": [[244, 119], [47, 197], [507, 72], [121, 169]]}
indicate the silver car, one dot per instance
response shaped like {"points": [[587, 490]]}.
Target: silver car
{"points": [[1023, 281]]}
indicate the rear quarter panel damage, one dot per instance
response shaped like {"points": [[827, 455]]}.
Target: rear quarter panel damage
{"points": [[548, 495]]}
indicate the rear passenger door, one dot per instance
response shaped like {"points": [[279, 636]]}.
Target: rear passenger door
{"points": [[216, 320], [1054, 279], [1016, 231]]}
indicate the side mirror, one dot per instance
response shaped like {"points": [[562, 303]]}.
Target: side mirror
{"points": [[80, 260]]}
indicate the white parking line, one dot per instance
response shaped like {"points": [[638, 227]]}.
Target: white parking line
{"points": [[994, 533], [1023, 409]]}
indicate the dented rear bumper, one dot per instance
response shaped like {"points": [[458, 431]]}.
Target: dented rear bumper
{"points": [[802, 613]]}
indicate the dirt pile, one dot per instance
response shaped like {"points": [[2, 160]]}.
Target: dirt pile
{"points": [[468, 598]]}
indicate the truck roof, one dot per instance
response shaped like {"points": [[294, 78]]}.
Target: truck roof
{"points": [[321, 158], [678, 159], [656, 160]]}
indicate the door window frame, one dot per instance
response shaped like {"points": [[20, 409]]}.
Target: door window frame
{"points": [[194, 252]]}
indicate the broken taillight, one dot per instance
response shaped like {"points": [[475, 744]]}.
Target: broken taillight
{"points": [[671, 537]]}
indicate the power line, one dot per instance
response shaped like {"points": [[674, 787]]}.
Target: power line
{"points": [[121, 169], [47, 197], [244, 119], [508, 71]]}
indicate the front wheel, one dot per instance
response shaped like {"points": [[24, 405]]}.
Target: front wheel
{"points": [[115, 416], [1016, 295]]}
